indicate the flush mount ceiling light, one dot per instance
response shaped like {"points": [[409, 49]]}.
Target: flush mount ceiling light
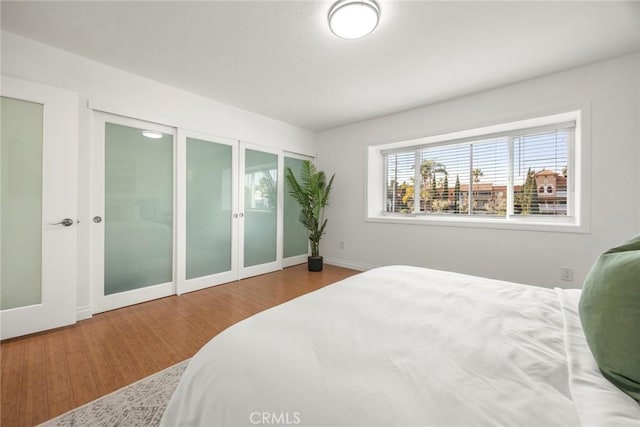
{"points": [[352, 19], [152, 134]]}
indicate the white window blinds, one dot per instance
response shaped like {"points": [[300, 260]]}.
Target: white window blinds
{"points": [[505, 175]]}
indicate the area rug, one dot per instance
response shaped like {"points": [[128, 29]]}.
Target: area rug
{"points": [[140, 404]]}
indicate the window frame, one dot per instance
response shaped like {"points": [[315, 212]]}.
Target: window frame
{"points": [[578, 163]]}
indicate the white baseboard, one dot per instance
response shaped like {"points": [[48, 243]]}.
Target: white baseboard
{"points": [[349, 264], [295, 260], [83, 313]]}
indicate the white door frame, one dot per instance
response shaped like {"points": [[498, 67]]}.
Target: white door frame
{"points": [[102, 302], [183, 285], [59, 200]]}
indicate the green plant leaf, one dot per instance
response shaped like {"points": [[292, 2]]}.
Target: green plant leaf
{"points": [[311, 192]]}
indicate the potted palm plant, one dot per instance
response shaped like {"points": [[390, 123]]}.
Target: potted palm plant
{"points": [[312, 194]]}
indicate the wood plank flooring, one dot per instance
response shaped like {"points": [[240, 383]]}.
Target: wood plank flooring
{"points": [[46, 374]]}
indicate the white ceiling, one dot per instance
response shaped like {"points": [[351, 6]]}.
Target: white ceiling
{"points": [[279, 59]]}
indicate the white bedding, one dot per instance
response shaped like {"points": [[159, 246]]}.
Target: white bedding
{"points": [[404, 346]]}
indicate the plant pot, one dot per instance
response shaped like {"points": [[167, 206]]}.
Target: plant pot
{"points": [[314, 263]]}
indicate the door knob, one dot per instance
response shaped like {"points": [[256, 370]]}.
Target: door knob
{"points": [[67, 222], [97, 219]]}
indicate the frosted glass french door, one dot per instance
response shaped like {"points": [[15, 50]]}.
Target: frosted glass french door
{"points": [[208, 198], [260, 210], [38, 220], [133, 220]]}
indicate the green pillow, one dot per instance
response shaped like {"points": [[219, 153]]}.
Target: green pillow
{"points": [[610, 315]]}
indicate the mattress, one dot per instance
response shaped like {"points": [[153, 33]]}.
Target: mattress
{"points": [[404, 346]]}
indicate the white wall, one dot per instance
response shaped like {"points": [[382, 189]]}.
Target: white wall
{"points": [[609, 87], [132, 95]]}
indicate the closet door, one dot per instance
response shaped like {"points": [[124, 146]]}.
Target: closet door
{"points": [[295, 237], [208, 198], [133, 212], [260, 211]]}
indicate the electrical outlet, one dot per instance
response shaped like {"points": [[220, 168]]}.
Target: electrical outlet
{"points": [[341, 244], [566, 274]]}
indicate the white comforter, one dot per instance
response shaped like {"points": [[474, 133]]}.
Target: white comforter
{"points": [[404, 346]]}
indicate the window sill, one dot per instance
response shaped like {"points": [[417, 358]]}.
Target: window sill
{"points": [[565, 225]]}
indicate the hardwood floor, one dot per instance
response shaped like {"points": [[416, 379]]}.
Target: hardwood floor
{"points": [[46, 374]]}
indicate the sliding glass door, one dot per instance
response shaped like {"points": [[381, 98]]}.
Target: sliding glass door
{"points": [[232, 224], [178, 211], [260, 218], [295, 240], [207, 232], [135, 222]]}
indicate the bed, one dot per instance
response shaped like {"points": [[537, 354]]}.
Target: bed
{"points": [[405, 346]]}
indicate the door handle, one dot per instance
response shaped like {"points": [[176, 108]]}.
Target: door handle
{"points": [[67, 222]]}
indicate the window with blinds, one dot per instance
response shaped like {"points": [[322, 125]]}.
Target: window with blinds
{"points": [[509, 175]]}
